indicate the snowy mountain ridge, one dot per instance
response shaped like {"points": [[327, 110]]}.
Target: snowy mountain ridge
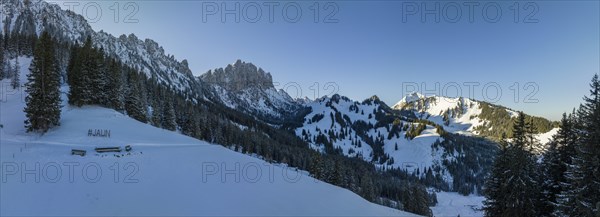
{"points": [[461, 115], [458, 115], [34, 16], [368, 131], [250, 89]]}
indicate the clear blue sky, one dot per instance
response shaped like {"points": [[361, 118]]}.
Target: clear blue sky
{"points": [[371, 50]]}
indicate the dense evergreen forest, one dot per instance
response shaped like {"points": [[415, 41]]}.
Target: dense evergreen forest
{"points": [[565, 182], [501, 122]]}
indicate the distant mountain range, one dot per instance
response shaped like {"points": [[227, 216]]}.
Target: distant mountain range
{"points": [[450, 138]]}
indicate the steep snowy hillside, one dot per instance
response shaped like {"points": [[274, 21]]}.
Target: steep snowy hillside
{"points": [[467, 116], [250, 89], [458, 115], [364, 130], [165, 173]]}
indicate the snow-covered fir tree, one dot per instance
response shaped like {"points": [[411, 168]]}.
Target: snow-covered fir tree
{"points": [[555, 162], [582, 194], [168, 117], [43, 100], [116, 86], [134, 104], [495, 186], [513, 188]]}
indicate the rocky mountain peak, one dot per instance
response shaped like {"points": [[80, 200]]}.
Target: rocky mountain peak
{"points": [[409, 98], [239, 76], [34, 16], [372, 99]]}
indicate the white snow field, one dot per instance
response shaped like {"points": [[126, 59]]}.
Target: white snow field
{"points": [[451, 204], [165, 174]]}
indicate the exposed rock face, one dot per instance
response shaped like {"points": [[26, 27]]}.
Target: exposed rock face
{"points": [[245, 87], [239, 76]]}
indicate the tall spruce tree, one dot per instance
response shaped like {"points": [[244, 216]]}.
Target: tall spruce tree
{"points": [[555, 162], [2, 57], [15, 81], [43, 101], [156, 103], [116, 86], [516, 187], [134, 105], [495, 186], [190, 123], [72, 73], [77, 74], [168, 121], [8, 68], [88, 69], [582, 196], [98, 78]]}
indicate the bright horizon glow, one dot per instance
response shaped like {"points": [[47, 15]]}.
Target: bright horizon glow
{"points": [[371, 51]]}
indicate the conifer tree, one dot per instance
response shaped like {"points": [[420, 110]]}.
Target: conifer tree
{"points": [[116, 87], [15, 81], [78, 74], [72, 72], [134, 106], [495, 186], [189, 124], [582, 195], [2, 57], [87, 73], [555, 162], [156, 103], [316, 168], [157, 114], [367, 188], [514, 184], [43, 101], [8, 69], [98, 79], [168, 121]]}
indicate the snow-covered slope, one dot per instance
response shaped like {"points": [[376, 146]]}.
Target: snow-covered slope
{"points": [[453, 204], [457, 115], [544, 139], [355, 127], [165, 174]]}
